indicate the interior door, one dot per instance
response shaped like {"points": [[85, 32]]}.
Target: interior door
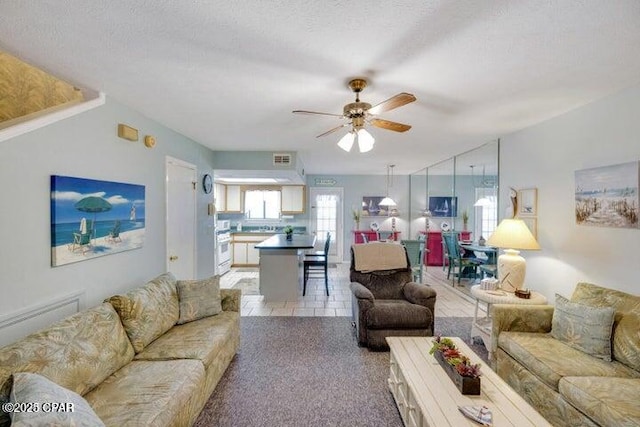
{"points": [[181, 218], [327, 216]]}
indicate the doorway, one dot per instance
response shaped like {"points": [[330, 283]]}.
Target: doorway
{"points": [[327, 216], [181, 218]]}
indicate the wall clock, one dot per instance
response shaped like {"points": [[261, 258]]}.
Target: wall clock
{"points": [[207, 183]]}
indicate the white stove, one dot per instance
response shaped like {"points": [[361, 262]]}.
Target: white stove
{"points": [[223, 247]]}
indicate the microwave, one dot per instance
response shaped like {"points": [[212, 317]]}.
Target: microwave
{"points": [[224, 225]]}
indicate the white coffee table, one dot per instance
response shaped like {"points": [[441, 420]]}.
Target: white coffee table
{"points": [[426, 396], [481, 327]]}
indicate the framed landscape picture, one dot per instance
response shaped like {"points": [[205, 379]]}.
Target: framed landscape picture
{"points": [[608, 196], [443, 206], [92, 218]]}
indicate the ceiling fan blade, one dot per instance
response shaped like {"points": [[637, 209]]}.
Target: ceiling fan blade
{"points": [[316, 113], [386, 124], [394, 102], [332, 130]]}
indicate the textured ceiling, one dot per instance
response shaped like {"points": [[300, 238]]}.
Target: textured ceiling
{"points": [[228, 73]]}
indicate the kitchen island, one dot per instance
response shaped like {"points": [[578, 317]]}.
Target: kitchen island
{"points": [[281, 266]]}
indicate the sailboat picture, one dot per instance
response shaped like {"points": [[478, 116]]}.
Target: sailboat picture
{"points": [[92, 218], [370, 206], [442, 206]]}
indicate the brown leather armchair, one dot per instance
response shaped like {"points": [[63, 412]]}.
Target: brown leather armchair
{"points": [[388, 303]]}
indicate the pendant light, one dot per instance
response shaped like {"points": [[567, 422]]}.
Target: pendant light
{"points": [[388, 201], [482, 201]]}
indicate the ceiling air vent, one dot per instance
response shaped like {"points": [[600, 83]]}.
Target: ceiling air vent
{"points": [[281, 159]]}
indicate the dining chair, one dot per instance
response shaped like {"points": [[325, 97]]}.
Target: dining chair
{"points": [[445, 255], [464, 264], [384, 236], [316, 264], [415, 251]]}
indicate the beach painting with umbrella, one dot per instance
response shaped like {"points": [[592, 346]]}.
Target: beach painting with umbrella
{"points": [[92, 218]]}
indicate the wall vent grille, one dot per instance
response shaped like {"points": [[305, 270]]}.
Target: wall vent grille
{"points": [[281, 159]]}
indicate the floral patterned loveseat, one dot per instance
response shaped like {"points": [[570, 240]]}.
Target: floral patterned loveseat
{"points": [[568, 386], [136, 359]]}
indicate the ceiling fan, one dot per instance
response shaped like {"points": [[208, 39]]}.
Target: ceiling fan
{"points": [[360, 113]]}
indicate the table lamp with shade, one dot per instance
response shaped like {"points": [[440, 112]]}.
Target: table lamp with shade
{"points": [[512, 235]]}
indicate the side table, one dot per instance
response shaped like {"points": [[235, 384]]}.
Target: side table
{"points": [[482, 327]]}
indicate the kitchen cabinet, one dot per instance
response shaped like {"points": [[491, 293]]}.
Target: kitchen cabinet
{"points": [[233, 200], [220, 196], [239, 253], [244, 252], [292, 199]]}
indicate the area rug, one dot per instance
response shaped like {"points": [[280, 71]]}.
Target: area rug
{"points": [[293, 371], [248, 285]]}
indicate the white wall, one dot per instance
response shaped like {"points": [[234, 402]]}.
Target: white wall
{"points": [[87, 146], [545, 156]]}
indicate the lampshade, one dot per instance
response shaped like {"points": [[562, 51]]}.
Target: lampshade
{"points": [[387, 201], [512, 234], [483, 201], [365, 140], [346, 142]]}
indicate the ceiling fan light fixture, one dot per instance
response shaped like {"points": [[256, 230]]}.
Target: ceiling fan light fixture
{"points": [[346, 142], [365, 140]]}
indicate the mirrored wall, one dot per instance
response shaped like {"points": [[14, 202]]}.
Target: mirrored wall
{"points": [[460, 193]]}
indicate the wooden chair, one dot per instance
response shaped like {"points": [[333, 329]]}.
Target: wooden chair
{"points": [[385, 236], [415, 251], [316, 263], [456, 258]]}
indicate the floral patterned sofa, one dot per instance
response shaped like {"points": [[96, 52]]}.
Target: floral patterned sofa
{"points": [[149, 357], [541, 352]]}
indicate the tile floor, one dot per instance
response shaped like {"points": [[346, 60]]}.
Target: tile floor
{"points": [[451, 302]]}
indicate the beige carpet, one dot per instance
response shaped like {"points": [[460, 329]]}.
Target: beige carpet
{"points": [[309, 371]]}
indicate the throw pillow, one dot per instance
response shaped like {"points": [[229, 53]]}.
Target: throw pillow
{"points": [[198, 298], [583, 327], [149, 311], [52, 404]]}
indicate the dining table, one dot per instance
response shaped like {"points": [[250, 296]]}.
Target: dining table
{"points": [[471, 247], [469, 251]]}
